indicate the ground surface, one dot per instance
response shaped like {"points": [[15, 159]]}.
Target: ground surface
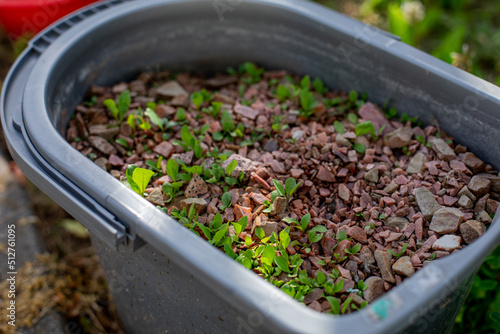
{"points": [[463, 32]]}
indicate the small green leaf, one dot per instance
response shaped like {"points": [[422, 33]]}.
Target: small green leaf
{"points": [[334, 304], [365, 128], [123, 103], [227, 121], [172, 169], [111, 105], [318, 86], [305, 83], [339, 127], [341, 236], [290, 186], [138, 178], [154, 118], [320, 277], [259, 232], [187, 137], [230, 168], [353, 118], [282, 263], [284, 238], [220, 233], [279, 188], [268, 255], [304, 221], [353, 96], [360, 148]]}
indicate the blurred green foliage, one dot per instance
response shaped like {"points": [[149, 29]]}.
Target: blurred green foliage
{"points": [[464, 33]]}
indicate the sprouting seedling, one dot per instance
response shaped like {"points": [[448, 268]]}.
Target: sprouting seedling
{"points": [[118, 111], [252, 72], [319, 87], [353, 118], [138, 178], [341, 236], [305, 83], [307, 102], [360, 148], [189, 141], [339, 127], [172, 169], [155, 166], [290, 187], [139, 119], [214, 109], [316, 233], [278, 125], [304, 222], [269, 206], [226, 201], [371, 226], [240, 225], [368, 128], [229, 129], [283, 93], [334, 305], [198, 98], [398, 255], [171, 190], [354, 249], [154, 118], [229, 170]]}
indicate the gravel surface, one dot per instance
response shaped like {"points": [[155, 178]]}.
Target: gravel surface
{"points": [[384, 195]]}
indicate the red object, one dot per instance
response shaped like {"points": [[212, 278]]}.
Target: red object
{"points": [[19, 17]]}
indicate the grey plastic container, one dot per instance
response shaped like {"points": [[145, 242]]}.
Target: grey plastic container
{"points": [[163, 277]]}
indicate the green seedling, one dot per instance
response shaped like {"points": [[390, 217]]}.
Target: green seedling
{"points": [[371, 226], [198, 98], [353, 96], [119, 110], [189, 141], [334, 305], [153, 117], [290, 187], [278, 125], [229, 171], [360, 148], [307, 103], [353, 118], [91, 102], [316, 233], [283, 93], [229, 129], [269, 207], [368, 128], [240, 226], [339, 127], [341, 236], [432, 257], [122, 142], [398, 255], [226, 201], [354, 249], [214, 109], [155, 166], [256, 136], [138, 119], [138, 178], [319, 87], [304, 222], [180, 115], [251, 73], [171, 190]]}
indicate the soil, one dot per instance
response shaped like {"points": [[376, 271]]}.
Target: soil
{"points": [[385, 195]]}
